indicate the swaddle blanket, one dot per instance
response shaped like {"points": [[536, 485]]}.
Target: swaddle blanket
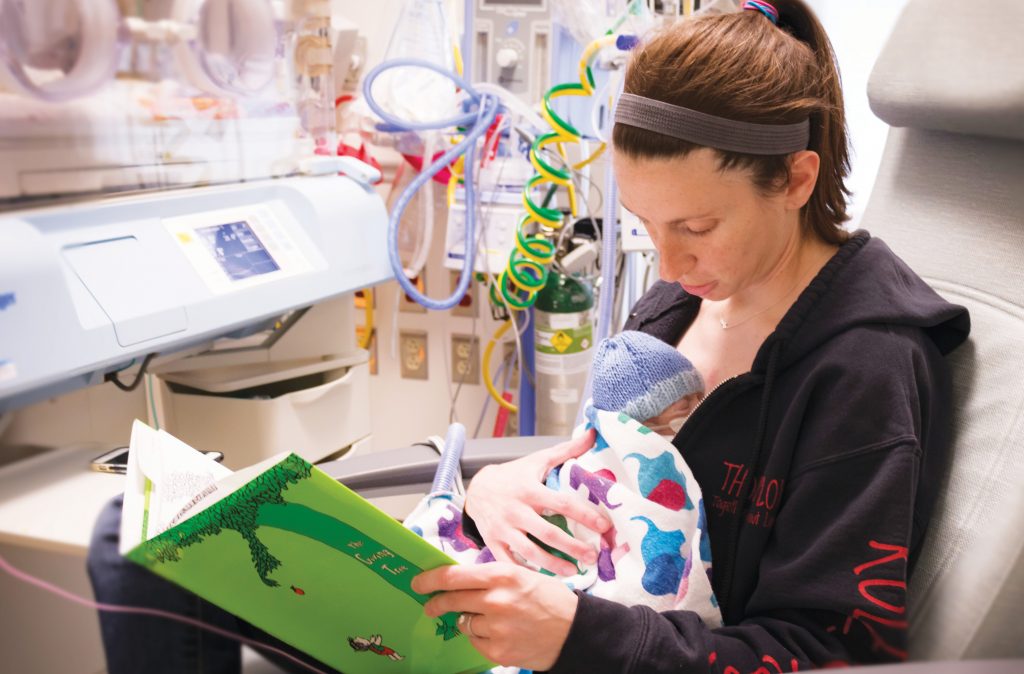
{"points": [[656, 553]]}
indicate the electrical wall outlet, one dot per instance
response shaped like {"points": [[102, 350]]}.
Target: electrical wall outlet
{"points": [[361, 297], [412, 349], [465, 359], [407, 304], [467, 306]]}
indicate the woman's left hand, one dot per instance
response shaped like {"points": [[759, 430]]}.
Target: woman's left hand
{"points": [[520, 617]]}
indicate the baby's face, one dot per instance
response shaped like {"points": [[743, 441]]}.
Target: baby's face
{"points": [[676, 412]]}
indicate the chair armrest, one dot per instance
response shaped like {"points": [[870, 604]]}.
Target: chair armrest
{"points": [[416, 465]]}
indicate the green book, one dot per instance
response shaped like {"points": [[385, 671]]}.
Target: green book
{"points": [[294, 552]]}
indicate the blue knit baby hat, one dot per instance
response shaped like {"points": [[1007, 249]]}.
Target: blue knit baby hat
{"points": [[641, 375]]}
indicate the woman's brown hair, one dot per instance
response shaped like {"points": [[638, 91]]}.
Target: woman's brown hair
{"points": [[742, 67]]}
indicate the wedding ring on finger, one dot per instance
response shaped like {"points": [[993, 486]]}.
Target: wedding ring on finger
{"points": [[465, 624]]}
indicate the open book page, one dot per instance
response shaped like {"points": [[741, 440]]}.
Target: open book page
{"points": [[166, 479], [220, 489]]}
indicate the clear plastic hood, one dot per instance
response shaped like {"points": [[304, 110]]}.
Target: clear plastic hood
{"points": [[102, 96]]}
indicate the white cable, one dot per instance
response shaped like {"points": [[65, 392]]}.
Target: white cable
{"points": [[481, 248], [487, 403], [601, 101], [419, 258], [447, 338], [513, 103]]}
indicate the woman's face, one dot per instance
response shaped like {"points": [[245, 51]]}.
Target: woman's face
{"points": [[715, 233]]}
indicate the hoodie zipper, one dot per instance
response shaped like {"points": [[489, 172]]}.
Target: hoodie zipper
{"points": [[707, 396], [736, 526], [682, 437], [712, 391]]}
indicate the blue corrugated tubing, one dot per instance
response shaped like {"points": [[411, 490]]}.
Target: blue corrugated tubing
{"points": [[449, 465], [479, 120]]}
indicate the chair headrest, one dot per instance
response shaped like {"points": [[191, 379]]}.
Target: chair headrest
{"points": [[954, 66]]}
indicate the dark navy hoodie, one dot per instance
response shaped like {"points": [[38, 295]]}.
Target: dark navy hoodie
{"points": [[819, 469]]}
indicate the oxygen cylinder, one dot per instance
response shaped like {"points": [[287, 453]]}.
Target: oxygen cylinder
{"points": [[563, 341]]}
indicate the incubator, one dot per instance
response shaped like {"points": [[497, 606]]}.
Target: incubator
{"points": [[173, 221], [98, 96], [163, 184]]}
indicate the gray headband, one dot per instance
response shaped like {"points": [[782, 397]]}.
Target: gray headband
{"points": [[710, 131]]}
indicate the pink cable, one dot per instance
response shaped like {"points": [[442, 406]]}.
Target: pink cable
{"points": [[114, 608]]}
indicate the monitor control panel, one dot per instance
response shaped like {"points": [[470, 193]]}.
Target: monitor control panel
{"points": [[236, 248]]}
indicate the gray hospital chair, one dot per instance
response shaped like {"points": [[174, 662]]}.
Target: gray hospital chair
{"points": [[949, 199]]}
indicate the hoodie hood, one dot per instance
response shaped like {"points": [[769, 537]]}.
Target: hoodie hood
{"points": [[864, 283]]}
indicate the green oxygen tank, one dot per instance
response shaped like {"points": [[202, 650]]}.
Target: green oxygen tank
{"points": [[564, 342]]}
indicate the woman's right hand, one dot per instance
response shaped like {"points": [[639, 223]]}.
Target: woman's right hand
{"points": [[506, 501]]}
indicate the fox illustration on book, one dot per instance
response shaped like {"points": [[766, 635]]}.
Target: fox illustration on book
{"points": [[373, 645]]}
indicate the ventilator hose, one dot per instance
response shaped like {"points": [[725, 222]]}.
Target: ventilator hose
{"points": [[478, 122], [448, 467]]}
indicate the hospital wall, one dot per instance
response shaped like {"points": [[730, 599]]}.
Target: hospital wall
{"points": [[858, 30]]}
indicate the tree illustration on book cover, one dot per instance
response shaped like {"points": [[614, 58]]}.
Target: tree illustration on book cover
{"points": [[239, 513], [302, 557]]}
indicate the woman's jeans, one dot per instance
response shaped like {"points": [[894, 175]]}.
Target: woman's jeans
{"points": [[139, 643]]}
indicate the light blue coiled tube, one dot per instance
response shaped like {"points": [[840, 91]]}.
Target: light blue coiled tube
{"points": [[448, 467], [480, 120]]}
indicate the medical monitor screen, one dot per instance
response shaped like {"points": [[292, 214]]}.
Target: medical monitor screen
{"points": [[237, 250]]}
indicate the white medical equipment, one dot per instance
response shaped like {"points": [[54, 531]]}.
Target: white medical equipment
{"points": [[89, 288], [98, 98], [180, 93], [512, 46], [301, 385], [499, 211], [634, 235]]}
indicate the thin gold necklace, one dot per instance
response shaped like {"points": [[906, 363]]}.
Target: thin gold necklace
{"points": [[727, 325]]}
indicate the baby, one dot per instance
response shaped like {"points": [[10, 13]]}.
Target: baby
{"points": [[657, 552], [646, 379]]}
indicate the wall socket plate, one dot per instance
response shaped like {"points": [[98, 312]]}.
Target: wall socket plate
{"points": [[412, 351], [468, 306], [360, 298], [465, 359], [406, 304]]}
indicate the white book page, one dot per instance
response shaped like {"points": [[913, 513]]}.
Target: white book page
{"points": [[164, 474], [220, 489], [169, 482]]}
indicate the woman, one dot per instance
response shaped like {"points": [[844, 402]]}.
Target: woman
{"points": [[820, 444]]}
